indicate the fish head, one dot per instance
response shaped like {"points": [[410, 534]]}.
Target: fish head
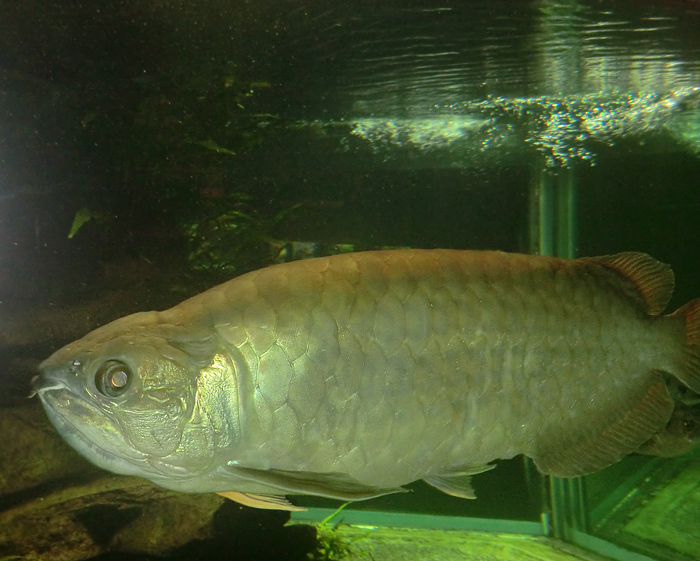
{"points": [[127, 397]]}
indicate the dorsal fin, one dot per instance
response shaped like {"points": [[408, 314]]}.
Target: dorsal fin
{"points": [[654, 280]]}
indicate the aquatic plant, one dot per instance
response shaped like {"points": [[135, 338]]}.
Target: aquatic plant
{"points": [[233, 234], [330, 545]]}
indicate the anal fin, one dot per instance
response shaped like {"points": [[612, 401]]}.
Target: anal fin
{"points": [[619, 439], [689, 371]]}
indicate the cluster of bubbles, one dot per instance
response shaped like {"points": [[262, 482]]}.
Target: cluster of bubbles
{"points": [[563, 130]]}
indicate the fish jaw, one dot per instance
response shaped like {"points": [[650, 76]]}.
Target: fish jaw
{"points": [[85, 427]]}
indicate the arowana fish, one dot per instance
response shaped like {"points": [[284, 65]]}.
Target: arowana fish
{"points": [[350, 376]]}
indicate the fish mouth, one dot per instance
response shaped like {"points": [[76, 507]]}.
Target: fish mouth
{"points": [[41, 384], [87, 428]]}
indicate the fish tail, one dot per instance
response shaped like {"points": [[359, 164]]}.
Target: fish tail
{"points": [[689, 372]]}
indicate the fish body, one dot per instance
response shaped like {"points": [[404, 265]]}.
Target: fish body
{"points": [[350, 376]]}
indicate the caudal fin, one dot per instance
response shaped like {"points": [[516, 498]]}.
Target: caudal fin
{"points": [[689, 372]]}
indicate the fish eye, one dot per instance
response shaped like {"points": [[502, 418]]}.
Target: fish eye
{"points": [[112, 378]]}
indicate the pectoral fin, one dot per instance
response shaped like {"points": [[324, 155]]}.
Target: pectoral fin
{"points": [[268, 502], [330, 485]]}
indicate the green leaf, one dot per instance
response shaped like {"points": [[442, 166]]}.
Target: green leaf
{"points": [[82, 216], [211, 145]]}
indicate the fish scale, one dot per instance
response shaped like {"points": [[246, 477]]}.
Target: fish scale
{"points": [[352, 375]]}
